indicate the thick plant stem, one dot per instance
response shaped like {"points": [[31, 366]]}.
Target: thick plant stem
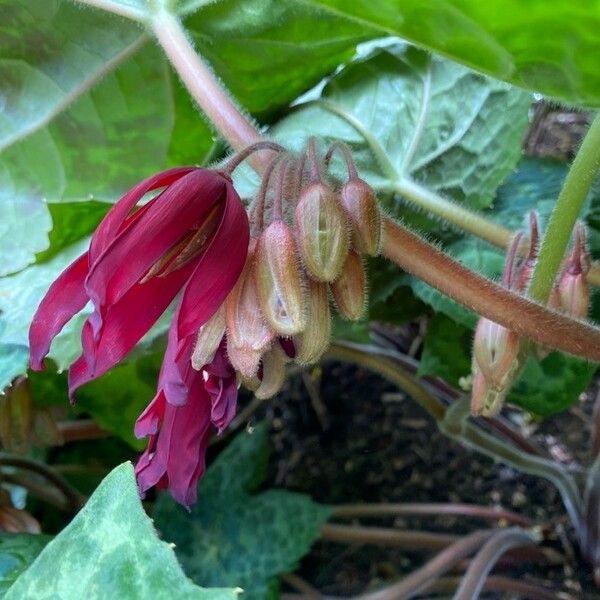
{"points": [[487, 298], [202, 83], [116, 8], [578, 182]]}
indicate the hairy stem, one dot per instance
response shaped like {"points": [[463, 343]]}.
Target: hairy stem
{"points": [[220, 109], [578, 182], [502, 541], [487, 298]]}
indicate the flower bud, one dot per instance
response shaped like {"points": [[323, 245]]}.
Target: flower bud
{"points": [[573, 287], [350, 289], [314, 341], [321, 232], [362, 210], [208, 340], [273, 373], [279, 280], [495, 363], [248, 335]]}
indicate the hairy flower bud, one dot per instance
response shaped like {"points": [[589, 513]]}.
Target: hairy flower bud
{"points": [[350, 289], [314, 341], [279, 280], [321, 232], [273, 373], [360, 204], [495, 359], [248, 334], [208, 340], [573, 287]]}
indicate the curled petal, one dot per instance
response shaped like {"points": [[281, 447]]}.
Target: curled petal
{"points": [[65, 298]]}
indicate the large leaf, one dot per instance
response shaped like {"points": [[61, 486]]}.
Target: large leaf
{"points": [[421, 128], [17, 552], [236, 539], [110, 550], [547, 47], [90, 105]]}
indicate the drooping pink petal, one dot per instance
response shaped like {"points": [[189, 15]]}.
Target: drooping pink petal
{"points": [[178, 451], [65, 298], [124, 324], [110, 225], [171, 215], [222, 387], [218, 268], [148, 423]]}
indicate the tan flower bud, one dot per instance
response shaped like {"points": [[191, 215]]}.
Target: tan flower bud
{"points": [[495, 364], [279, 280], [350, 289], [362, 210], [248, 334], [273, 373], [314, 341], [208, 340], [321, 230], [573, 287]]}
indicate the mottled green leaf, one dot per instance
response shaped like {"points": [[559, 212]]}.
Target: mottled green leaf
{"points": [[235, 539], [110, 550], [547, 47], [17, 552], [415, 111]]}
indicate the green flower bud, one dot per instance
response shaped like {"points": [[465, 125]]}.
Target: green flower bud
{"points": [[314, 340]]}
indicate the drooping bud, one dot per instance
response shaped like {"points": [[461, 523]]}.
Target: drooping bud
{"points": [[524, 272], [573, 287], [314, 341], [321, 231], [495, 359], [248, 334], [362, 210], [279, 280], [273, 373], [350, 289], [208, 340]]}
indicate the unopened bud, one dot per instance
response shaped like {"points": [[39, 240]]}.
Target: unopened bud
{"points": [[209, 339], [248, 334], [495, 359], [350, 289], [573, 287], [314, 341], [279, 280], [362, 210], [273, 373], [321, 232], [524, 272]]}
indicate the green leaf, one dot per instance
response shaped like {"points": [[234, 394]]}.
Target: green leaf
{"points": [[268, 52], [235, 539], [547, 47], [17, 552], [552, 385], [110, 550], [412, 108], [446, 350]]}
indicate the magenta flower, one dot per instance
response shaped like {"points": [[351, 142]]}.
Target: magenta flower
{"points": [[191, 238]]}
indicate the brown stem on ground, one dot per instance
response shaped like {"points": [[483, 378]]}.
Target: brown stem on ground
{"points": [[39, 490], [350, 511], [84, 429]]}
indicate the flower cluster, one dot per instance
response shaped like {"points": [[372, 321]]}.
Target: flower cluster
{"points": [[498, 353], [253, 293]]}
